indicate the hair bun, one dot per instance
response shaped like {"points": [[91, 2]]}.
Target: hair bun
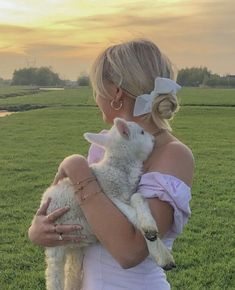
{"points": [[165, 106]]}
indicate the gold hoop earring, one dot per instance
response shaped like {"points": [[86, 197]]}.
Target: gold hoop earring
{"points": [[116, 108]]}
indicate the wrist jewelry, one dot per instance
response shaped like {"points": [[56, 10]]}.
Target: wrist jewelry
{"points": [[84, 196], [80, 185]]}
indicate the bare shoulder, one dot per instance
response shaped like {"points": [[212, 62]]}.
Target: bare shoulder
{"points": [[176, 159]]}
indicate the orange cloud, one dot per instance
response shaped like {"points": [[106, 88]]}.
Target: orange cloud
{"points": [[190, 32], [14, 29]]}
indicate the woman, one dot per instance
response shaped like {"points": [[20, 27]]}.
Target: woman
{"points": [[130, 80]]}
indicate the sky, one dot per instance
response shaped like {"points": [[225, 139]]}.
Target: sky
{"points": [[68, 34]]}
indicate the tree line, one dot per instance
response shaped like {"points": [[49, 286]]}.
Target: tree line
{"points": [[195, 77], [44, 76]]}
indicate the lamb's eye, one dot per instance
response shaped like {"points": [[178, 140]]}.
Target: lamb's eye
{"points": [[142, 132]]}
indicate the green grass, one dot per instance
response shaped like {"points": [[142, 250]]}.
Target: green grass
{"points": [[83, 95], [70, 97], [207, 96], [11, 89], [34, 142]]}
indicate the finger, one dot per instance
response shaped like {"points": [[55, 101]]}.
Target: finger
{"points": [[52, 217], [65, 229], [54, 240], [70, 239], [43, 209]]}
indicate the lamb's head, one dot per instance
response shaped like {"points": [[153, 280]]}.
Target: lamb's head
{"points": [[124, 139]]}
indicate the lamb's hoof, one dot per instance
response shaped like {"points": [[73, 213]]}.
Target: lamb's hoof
{"points": [[169, 266], [150, 235]]}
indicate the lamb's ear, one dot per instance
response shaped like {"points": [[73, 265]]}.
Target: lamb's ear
{"points": [[122, 127], [99, 139]]}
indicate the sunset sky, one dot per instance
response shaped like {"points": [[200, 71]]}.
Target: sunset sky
{"points": [[67, 35]]}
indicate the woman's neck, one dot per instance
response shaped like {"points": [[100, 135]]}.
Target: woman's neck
{"points": [[148, 126]]}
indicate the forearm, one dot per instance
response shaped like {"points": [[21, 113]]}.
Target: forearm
{"points": [[112, 228], [114, 231]]}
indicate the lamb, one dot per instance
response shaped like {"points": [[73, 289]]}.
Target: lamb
{"points": [[127, 146]]}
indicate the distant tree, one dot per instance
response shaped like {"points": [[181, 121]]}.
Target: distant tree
{"points": [[25, 76], [213, 80], [193, 77], [231, 80], [43, 76], [83, 80], [217, 81], [46, 77]]}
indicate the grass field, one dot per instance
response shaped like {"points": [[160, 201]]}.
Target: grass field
{"points": [[34, 142], [83, 96]]}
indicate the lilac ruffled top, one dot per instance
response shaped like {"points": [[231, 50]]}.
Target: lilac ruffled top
{"points": [[102, 271], [163, 186], [172, 190]]}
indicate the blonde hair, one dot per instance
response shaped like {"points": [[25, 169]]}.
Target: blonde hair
{"points": [[133, 66]]}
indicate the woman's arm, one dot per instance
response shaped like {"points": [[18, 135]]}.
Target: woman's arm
{"points": [[112, 228], [123, 241], [109, 224]]}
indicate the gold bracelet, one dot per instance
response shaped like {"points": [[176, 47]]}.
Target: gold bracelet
{"points": [[81, 185], [84, 196]]}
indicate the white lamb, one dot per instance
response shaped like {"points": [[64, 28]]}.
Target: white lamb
{"points": [[127, 146]]}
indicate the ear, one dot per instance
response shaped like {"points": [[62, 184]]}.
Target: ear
{"points": [[122, 127], [99, 139], [118, 94]]}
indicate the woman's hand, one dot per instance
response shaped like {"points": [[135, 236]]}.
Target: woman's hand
{"points": [[45, 232], [75, 167]]}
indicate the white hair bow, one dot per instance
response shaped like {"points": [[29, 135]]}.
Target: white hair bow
{"points": [[143, 103]]}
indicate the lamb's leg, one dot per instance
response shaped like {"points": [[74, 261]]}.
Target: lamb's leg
{"points": [[55, 258], [147, 224], [157, 250], [140, 216], [73, 269], [160, 254]]}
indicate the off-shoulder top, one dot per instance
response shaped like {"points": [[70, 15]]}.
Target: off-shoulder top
{"points": [[102, 272]]}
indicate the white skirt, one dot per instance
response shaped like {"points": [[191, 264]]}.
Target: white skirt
{"points": [[102, 272]]}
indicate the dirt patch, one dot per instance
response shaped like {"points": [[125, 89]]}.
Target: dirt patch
{"points": [[5, 113]]}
